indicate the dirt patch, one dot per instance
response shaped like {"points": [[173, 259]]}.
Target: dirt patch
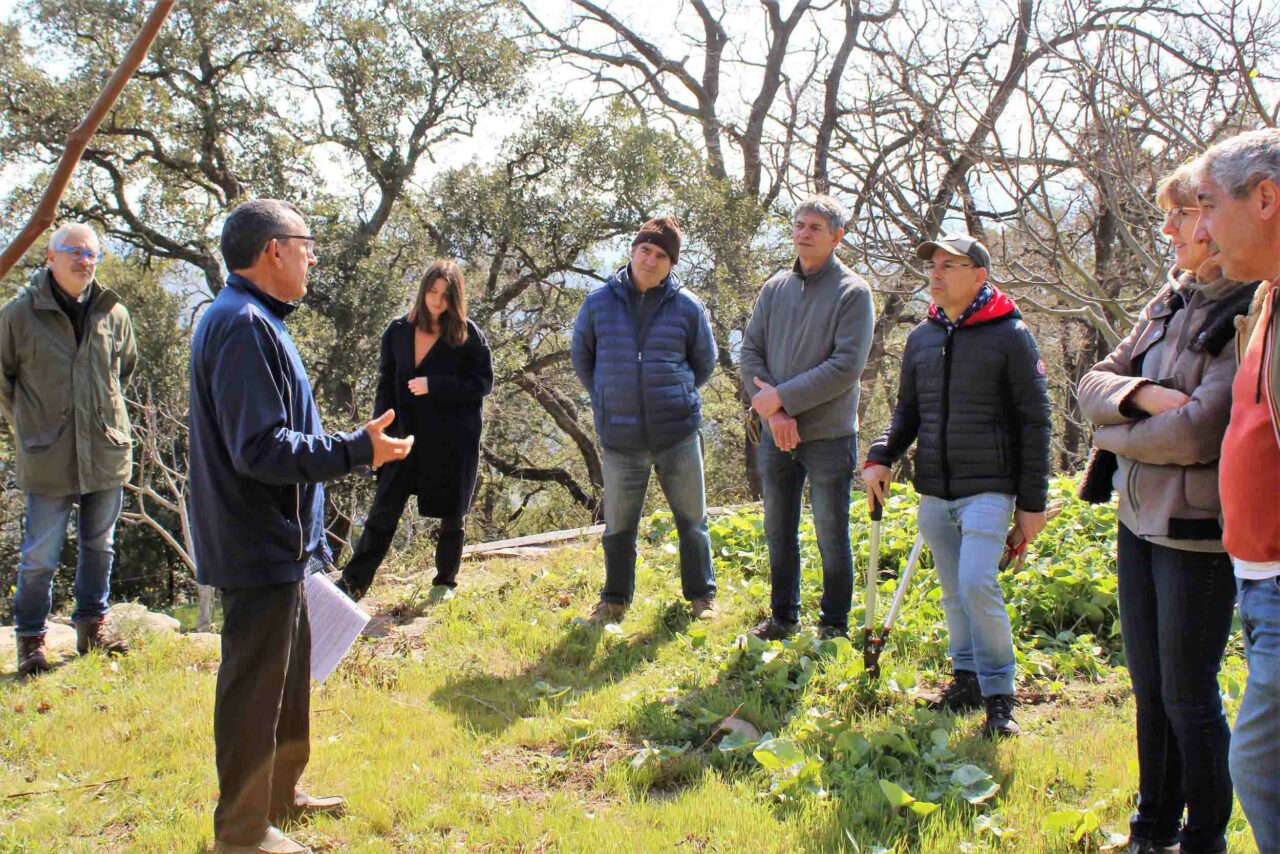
{"points": [[114, 837], [1043, 704], [1079, 695], [535, 775]]}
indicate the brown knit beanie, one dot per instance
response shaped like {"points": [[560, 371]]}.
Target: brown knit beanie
{"points": [[663, 231]]}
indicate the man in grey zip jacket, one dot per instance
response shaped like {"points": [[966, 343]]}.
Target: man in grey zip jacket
{"points": [[803, 353]]}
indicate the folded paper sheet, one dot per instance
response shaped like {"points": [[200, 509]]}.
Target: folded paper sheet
{"points": [[336, 622]]}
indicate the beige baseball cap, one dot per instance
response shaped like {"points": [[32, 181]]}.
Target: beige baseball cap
{"points": [[957, 244]]}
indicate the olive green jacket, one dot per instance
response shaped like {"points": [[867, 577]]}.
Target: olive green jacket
{"points": [[65, 403]]}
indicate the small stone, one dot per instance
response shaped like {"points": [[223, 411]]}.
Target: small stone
{"points": [[732, 724]]}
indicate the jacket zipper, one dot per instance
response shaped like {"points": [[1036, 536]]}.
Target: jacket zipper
{"points": [[946, 411], [1131, 487], [297, 488], [641, 339]]}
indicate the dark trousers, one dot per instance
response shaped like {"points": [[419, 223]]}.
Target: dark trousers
{"points": [[1175, 615], [389, 501], [261, 712], [828, 466]]}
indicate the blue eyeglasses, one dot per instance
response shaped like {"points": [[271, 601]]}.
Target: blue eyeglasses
{"points": [[78, 254]]}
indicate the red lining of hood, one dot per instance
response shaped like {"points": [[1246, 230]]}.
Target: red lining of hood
{"points": [[1000, 305]]}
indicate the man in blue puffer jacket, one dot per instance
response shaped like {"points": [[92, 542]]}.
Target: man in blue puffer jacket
{"points": [[642, 346]]}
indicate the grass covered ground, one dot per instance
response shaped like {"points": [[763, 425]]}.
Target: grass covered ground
{"points": [[495, 722]]}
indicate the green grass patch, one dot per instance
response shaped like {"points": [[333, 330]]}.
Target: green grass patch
{"points": [[498, 722]]}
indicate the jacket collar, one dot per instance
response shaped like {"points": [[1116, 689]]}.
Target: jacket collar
{"points": [[402, 342], [1182, 286], [997, 307], [1210, 291], [619, 282], [279, 308], [817, 275], [42, 285]]}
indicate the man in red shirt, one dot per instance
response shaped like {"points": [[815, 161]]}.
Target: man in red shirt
{"points": [[1239, 196]]}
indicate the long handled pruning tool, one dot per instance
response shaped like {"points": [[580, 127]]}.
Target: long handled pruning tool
{"points": [[873, 643]]}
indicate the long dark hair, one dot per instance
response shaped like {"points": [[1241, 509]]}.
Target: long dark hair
{"points": [[453, 323]]}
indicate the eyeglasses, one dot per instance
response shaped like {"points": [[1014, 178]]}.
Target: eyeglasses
{"points": [[309, 241], [78, 254], [946, 266], [1177, 216]]}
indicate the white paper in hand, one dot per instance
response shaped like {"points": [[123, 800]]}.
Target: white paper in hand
{"points": [[336, 622]]}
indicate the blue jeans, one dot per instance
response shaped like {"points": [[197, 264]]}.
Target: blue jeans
{"points": [[828, 466], [966, 537], [45, 531], [1255, 744], [626, 480], [1175, 616]]}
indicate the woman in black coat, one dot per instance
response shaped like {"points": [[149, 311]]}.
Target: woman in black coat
{"points": [[434, 372]]}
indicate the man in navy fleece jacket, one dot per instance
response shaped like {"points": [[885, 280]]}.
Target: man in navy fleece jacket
{"points": [[258, 455]]}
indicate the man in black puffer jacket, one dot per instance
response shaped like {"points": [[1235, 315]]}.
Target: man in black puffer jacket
{"points": [[973, 392]]}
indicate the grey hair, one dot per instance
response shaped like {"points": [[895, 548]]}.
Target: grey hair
{"points": [[250, 227], [64, 231], [1239, 164], [823, 206]]}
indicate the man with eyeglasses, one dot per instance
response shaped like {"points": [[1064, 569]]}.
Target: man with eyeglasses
{"points": [[1238, 188], [66, 354], [973, 392], [258, 456]]}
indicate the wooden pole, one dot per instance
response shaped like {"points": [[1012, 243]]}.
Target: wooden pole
{"points": [[78, 139]]}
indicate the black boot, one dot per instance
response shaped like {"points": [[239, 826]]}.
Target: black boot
{"points": [[961, 694], [1000, 722], [772, 628]]}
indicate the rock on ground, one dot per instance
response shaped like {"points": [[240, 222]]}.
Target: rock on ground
{"points": [[60, 637]]}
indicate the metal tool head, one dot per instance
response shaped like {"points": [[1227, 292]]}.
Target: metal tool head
{"points": [[872, 646]]}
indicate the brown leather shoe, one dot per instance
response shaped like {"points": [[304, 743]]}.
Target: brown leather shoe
{"points": [[703, 608], [31, 657], [305, 806], [606, 612], [90, 635]]}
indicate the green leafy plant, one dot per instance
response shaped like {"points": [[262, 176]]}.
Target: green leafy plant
{"points": [[898, 798], [973, 784], [656, 754], [1084, 826], [789, 767]]}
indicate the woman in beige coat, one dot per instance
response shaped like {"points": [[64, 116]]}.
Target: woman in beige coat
{"points": [[1160, 403]]}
